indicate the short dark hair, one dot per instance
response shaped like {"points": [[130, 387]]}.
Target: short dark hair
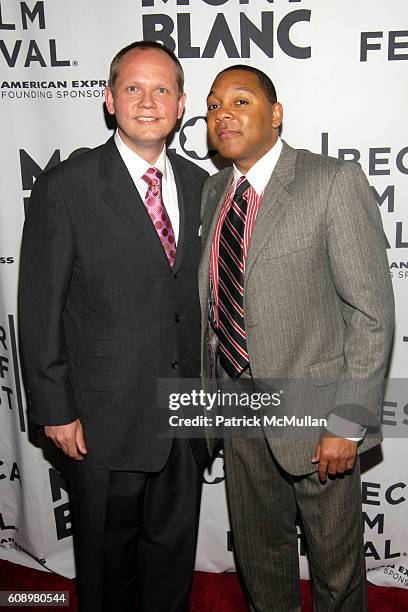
{"points": [[145, 45], [264, 80]]}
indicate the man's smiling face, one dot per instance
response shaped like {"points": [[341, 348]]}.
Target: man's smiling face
{"points": [[243, 124], [145, 100]]}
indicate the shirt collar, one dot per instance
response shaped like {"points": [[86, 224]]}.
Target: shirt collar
{"points": [[136, 165], [260, 173]]}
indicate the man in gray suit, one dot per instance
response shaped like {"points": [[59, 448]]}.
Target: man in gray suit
{"points": [[294, 286]]}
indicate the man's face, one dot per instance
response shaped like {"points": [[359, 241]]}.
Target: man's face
{"points": [[145, 100], [242, 123]]}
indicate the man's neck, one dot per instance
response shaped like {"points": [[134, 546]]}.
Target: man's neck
{"points": [[150, 153]]}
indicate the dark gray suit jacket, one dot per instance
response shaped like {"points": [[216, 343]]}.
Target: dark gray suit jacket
{"points": [[102, 315], [318, 298]]}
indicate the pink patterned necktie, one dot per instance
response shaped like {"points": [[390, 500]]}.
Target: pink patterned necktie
{"points": [[158, 213]]}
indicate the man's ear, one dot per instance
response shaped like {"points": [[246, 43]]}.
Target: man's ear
{"points": [[277, 115], [109, 100], [181, 105]]}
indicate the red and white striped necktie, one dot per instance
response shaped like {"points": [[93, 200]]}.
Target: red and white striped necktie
{"points": [[231, 266]]}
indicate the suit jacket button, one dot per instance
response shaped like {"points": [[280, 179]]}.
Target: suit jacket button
{"points": [[177, 318], [175, 365]]}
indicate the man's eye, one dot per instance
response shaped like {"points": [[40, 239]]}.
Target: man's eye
{"points": [[162, 90], [212, 107], [132, 89], [241, 101]]}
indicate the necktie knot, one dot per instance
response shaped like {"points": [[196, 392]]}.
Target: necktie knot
{"points": [[242, 186], [153, 178]]}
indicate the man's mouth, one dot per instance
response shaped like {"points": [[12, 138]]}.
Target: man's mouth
{"points": [[225, 134], [147, 119]]}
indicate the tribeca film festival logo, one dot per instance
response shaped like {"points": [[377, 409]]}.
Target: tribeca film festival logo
{"points": [[10, 391], [268, 33], [378, 494], [10, 476], [392, 44], [17, 52], [382, 161], [10, 400], [9, 472]]}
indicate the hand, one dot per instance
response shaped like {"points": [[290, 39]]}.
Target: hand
{"points": [[334, 455], [69, 438]]}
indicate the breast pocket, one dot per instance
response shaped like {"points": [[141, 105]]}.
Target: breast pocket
{"points": [[280, 248]]}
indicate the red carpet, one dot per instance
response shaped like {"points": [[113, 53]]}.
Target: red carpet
{"points": [[211, 592]]}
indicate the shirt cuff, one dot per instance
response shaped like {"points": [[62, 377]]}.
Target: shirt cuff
{"points": [[343, 428]]}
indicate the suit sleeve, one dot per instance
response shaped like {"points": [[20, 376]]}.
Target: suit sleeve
{"points": [[46, 264], [358, 261]]}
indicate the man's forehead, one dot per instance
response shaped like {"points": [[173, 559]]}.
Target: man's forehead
{"points": [[236, 80], [238, 89], [138, 57]]}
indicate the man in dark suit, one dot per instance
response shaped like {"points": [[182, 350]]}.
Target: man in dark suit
{"points": [[108, 305], [294, 288]]}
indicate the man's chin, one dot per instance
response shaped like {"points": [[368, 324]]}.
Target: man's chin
{"points": [[229, 153], [149, 140]]}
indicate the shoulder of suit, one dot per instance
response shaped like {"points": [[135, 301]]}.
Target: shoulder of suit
{"points": [[306, 157], [312, 164], [218, 177], [74, 166], [187, 166]]}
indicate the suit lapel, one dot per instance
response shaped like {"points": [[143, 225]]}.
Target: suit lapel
{"points": [[215, 199], [276, 197], [120, 193], [183, 192]]}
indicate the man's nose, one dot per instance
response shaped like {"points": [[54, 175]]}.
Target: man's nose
{"points": [[146, 99], [223, 112]]}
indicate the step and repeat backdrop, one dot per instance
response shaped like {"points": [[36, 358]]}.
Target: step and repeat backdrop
{"points": [[340, 71]]}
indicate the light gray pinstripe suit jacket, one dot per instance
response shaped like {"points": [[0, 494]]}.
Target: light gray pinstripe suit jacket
{"points": [[318, 297]]}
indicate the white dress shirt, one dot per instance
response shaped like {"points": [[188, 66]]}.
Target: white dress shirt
{"points": [[260, 173], [137, 167]]}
